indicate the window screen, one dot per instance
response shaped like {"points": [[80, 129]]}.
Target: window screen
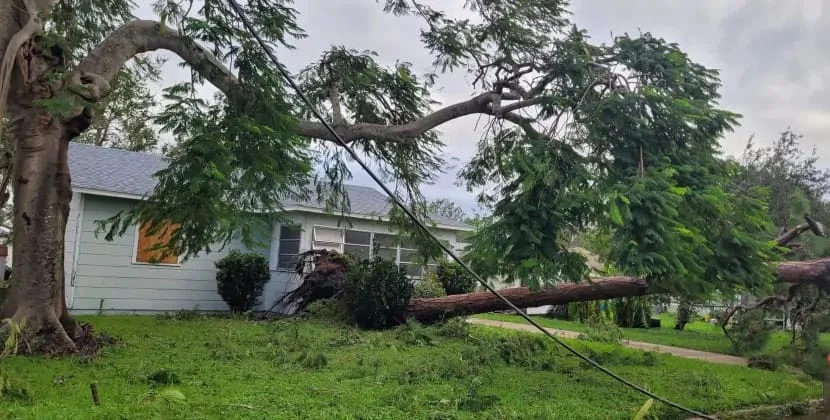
{"points": [[289, 246]]}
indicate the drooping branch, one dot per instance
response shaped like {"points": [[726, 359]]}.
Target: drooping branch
{"points": [[143, 36]]}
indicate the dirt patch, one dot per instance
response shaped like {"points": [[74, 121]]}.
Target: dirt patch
{"points": [[90, 343]]}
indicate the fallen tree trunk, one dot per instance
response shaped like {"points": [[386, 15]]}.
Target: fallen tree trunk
{"points": [[815, 272], [433, 309]]}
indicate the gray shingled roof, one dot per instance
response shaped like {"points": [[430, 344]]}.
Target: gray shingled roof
{"points": [[125, 172]]}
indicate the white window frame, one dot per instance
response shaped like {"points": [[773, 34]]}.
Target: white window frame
{"points": [[135, 261]]}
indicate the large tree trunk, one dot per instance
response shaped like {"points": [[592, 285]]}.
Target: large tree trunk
{"points": [[42, 193], [432, 309], [40, 186]]}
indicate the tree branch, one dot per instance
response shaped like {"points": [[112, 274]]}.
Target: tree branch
{"points": [[143, 36], [17, 41]]}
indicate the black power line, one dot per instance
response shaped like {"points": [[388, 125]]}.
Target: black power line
{"points": [[421, 225]]}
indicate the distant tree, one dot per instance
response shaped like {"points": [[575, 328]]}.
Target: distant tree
{"points": [[446, 208], [116, 122], [796, 184]]}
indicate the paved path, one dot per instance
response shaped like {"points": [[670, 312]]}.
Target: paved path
{"points": [[639, 345]]}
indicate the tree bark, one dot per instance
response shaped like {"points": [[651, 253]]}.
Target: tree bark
{"points": [[42, 192], [433, 309]]}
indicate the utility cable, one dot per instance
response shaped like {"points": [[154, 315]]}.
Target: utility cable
{"points": [[247, 23]]}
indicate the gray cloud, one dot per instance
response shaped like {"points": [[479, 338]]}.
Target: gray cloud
{"points": [[770, 54]]}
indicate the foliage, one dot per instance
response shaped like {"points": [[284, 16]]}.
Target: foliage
{"points": [[12, 336], [621, 137], [633, 312], [749, 333], [785, 169], [116, 122], [589, 311], [455, 327], [377, 292], [332, 310], [124, 118], [223, 364], [446, 208], [241, 278], [454, 278], [602, 331], [428, 287]]}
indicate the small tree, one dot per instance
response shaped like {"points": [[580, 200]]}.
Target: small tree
{"points": [[241, 279]]}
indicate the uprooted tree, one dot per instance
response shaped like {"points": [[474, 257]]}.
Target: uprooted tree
{"points": [[620, 136]]}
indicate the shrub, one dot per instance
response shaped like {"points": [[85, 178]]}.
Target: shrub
{"points": [[749, 332], [377, 292], [241, 279], [428, 287], [454, 278]]}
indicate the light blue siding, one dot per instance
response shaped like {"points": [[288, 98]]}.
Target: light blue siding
{"points": [[105, 277], [101, 275]]}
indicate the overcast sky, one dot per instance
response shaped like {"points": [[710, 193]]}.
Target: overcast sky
{"points": [[769, 53]]}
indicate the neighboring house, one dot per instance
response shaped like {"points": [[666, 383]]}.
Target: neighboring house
{"points": [[123, 276]]}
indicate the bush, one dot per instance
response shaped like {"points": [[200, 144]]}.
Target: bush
{"points": [[241, 279], [377, 292], [428, 287], [455, 279], [750, 332]]}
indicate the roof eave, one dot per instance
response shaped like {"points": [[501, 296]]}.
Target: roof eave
{"points": [[295, 207]]}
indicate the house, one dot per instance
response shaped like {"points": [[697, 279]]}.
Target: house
{"points": [[125, 276]]}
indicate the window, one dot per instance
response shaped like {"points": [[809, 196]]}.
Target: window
{"points": [[363, 244], [386, 246], [327, 238], [289, 246], [357, 243], [152, 248], [407, 261]]}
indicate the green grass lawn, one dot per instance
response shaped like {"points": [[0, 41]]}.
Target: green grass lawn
{"points": [[292, 369], [697, 335]]}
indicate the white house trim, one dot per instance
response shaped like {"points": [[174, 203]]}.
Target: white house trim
{"points": [[298, 207], [76, 249], [105, 193]]}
